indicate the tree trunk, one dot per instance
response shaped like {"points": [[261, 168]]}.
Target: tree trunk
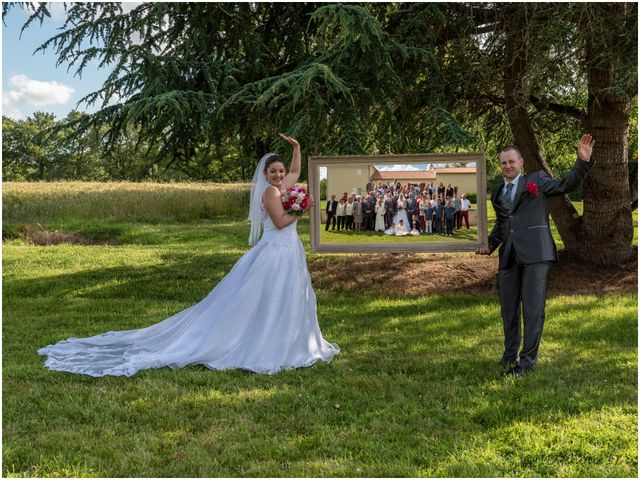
{"points": [[606, 236], [516, 94]]}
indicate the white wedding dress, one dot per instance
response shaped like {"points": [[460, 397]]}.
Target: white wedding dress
{"points": [[401, 214], [261, 317]]}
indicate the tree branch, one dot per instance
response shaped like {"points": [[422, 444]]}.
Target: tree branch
{"points": [[542, 106], [570, 110]]}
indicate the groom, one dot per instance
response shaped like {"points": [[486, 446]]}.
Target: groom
{"points": [[527, 249]]}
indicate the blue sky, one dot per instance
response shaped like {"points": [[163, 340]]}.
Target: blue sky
{"points": [[33, 83]]}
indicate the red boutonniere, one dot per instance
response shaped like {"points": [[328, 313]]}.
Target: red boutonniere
{"points": [[532, 188]]}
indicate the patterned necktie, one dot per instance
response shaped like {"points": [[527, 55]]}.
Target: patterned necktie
{"points": [[506, 199]]}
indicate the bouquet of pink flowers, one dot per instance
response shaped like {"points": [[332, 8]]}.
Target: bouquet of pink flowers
{"points": [[295, 200]]}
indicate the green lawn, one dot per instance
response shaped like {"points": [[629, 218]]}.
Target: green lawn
{"points": [[351, 236], [415, 391]]}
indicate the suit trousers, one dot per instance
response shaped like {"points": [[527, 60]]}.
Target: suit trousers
{"points": [[523, 288], [388, 219], [331, 218]]}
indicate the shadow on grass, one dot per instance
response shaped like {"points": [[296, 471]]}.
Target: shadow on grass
{"points": [[178, 273]]}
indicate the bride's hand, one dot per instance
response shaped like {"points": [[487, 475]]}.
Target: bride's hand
{"points": [[290, 140], [311, 202]]}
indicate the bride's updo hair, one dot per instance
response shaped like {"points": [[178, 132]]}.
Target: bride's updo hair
{"points": [[272, 159]]}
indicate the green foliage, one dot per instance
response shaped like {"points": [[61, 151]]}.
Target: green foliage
{"points": [[323, 189]]}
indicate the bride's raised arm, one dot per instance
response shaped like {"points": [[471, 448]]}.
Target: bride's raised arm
{"points": [[294, 170]]}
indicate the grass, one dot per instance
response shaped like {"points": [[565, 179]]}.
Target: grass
{"points": [[415, 391], [351, 236]]}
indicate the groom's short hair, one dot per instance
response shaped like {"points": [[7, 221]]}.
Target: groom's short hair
{"points": [[512, 147]]}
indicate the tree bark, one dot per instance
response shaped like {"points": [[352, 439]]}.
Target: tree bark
{"points": [[516, 95], [606, 236]]}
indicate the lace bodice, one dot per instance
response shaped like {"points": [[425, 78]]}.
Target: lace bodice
{"points": [[273, 234]]}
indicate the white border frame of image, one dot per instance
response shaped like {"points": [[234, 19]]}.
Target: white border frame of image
{"points": [[315, 162]]}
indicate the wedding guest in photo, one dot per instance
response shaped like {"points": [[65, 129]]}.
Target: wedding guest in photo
{"points": [[345, 195], [422, 205], [389, 209], [332, 207], [401, 229], [357, 213], [449, 192], [449, 215], [349, 213], [441, 190], [439, 227], [455, 203], [391, 230], [428, 216], [380, 210], [412, 208], [415, 230], [340, 213], [431, 190], [368, 209], [465, 204]]}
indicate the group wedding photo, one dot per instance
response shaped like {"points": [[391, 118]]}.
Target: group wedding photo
{"points": [[320, 240]]}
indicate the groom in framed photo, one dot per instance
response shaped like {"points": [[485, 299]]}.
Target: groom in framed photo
{"points": [[527, 249]]}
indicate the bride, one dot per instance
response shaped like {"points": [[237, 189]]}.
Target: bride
{"points": [[261, 317], [401, 213]]}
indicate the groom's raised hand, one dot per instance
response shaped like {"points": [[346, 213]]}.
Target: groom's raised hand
{"points": [[585, 147]]}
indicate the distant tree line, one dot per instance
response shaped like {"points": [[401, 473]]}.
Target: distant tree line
{"points": [[41, 147]]}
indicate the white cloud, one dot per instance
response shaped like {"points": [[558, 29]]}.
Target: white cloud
{"points": [[34, 93], [394, 168], [11, 111]]}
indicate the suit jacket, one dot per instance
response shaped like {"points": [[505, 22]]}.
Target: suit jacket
{"points": [[525, 229], [334, 207], [391, 205], [370, 206]]}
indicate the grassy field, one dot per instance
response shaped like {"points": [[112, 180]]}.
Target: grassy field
{"points": [[41, 202], [416, 390]]}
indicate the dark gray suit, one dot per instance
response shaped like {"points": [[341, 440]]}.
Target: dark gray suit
{"points": [[527, 251], [390, 206]]}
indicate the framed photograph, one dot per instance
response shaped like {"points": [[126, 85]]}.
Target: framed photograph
{"points": [[424, 202]]}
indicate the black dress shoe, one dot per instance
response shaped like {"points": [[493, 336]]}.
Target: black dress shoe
{"points": [[508, 363], [518, 371]]}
